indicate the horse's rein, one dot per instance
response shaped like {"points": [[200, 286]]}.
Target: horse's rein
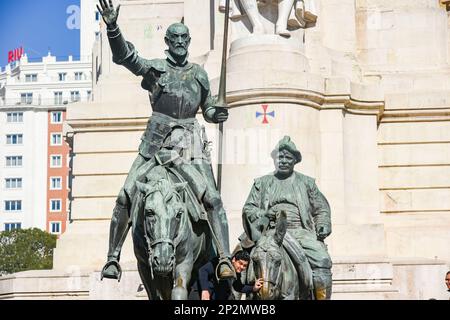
{"points": [[152, 244]]}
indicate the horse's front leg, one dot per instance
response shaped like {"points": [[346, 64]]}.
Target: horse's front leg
{"points": [[181, 279], [183, 270]]}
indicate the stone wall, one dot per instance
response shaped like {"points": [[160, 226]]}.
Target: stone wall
{"points": [[403, 47]]}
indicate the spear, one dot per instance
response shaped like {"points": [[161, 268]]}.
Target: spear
{"points": [[221, 100]]}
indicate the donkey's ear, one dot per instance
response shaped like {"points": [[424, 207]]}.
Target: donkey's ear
{"points": [[281, 227], [180, 186], [142, 187]]}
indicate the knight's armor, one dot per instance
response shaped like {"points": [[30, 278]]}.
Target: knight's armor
{"points": [[176, 91]]}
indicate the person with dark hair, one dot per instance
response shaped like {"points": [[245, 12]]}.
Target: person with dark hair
{"points": [[447, 280], [210, 288]]}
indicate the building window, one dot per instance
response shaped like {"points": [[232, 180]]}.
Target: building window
{"points": [[14, 139], [56, 161], [13, 183], [58, 97], [55, 205], [89, 95], [13, 205], [75, 96], [62, 76], [12, 226], [16, 117], [13, 161], [56, 139], [55, 227], [55, 183], [26, 98], [97, 16], [57, 117], [31, 78], [78, 76]]}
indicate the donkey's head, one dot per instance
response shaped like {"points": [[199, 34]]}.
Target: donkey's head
{"points": [[267, 257]]}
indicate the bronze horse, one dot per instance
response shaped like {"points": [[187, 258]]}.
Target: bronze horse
{"points": [[168, 243]]}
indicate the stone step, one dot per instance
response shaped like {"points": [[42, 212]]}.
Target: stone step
{"points": [[45, 285], [362, 278]]}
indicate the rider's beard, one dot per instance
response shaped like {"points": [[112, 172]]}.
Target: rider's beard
{"points": [[179, 52]]}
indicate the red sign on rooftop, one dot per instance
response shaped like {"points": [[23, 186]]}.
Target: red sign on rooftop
{"points": [[15, 55]]}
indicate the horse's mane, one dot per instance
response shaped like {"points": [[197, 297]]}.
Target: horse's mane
{"points": [[266, 241], [156, 173], [159, 180]]}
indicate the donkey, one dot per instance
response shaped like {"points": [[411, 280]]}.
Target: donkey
{"points": [[167, 244]]}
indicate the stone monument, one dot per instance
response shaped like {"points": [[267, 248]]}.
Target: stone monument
{"points": [[177, 89], [362, 97]]}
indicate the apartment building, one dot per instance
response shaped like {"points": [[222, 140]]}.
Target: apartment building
{"points": [[34, 157]]}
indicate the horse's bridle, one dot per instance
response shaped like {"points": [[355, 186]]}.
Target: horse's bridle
{"points": [[162, 240], [152, 244], [278, 275]]}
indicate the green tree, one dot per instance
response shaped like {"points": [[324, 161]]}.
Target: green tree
{"points": [[26, 249]]}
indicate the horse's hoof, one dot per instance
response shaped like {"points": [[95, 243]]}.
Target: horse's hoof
{"points": [[179, 294], [283, 32]]}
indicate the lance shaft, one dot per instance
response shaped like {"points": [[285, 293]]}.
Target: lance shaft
{"points": [[221, 100]]}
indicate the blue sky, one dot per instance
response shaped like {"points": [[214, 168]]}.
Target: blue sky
{"points": [[37, 26]]}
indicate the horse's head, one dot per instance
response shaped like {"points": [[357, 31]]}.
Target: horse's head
{"points": [[267, 257], [164, 212]]}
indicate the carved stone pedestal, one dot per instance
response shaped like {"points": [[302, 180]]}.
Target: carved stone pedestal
{"points": [[271, 93]]}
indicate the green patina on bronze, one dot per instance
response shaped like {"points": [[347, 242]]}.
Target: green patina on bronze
{"points": [[177, 90], [307, 218], [173, 224]]}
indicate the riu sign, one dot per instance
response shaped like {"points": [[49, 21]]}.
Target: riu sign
{"points": [[15, 55]]}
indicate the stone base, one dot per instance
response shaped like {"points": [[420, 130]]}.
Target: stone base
{"points": [[361, 279], [85, 247], [45, 285], [353, 279], [405, 279], [130, 286]]}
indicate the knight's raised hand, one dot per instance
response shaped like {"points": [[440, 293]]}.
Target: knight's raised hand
{"points": [[108, 12]]}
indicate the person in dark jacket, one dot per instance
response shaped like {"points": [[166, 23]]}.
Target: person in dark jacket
{"points": [[211, 289], [447, 280]]}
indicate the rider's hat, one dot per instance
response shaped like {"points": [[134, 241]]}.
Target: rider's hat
{"points": [[287, 144]]}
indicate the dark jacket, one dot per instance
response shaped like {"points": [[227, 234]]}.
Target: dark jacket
{"points": [[219, 290]]}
